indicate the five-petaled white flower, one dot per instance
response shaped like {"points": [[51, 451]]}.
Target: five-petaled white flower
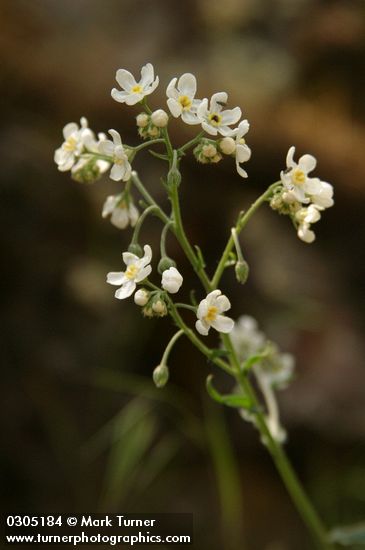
{"points": [[133, 91], [295, 178], [214, 119], [137, 270], [209, 313], [181, 98], [171, 280], [122, 212], [243, 152], [121, 169], [75, 139]]}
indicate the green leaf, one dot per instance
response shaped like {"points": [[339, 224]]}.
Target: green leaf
{"points": [[200, 256], [251, 361], [218, 352], [230, 400], [349, 535]]}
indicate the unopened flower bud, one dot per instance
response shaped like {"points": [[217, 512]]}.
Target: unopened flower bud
{"points": [[174, 177], [227, 145], [160, 376], [141, 297], [160, 118], [165, 263], [135, 248], [216, 158], [159, 308], [242, 271], [171, 280], [209, 150], [142, 120], [147, 311], [153, 132]]}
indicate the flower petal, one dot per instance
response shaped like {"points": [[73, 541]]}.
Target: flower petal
{"points": [[290, 157], [126, 290], [132, 99], [223, 324], [187, 85], [171, 90], [190, 118], [119, 96], [125, 79], [129, 258], [115, 278], [120, 218], [307, 163], [106, 147], [202, 309], [223, 304], [70, 129], [243, 152], [217, 101], [117, 172], [201, 327], [147, 75], [116, 137], [143, 273], [175, 107], [147, 254], [231, 116]]}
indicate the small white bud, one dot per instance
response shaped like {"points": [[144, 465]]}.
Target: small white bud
{"points": [[160, 118], [227, 145], [141, 297], [171, 280], [209, 150], [142, 120], [153, 132], [159, 307]]}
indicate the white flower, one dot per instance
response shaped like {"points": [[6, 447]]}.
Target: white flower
{"points": [[160, 118], [141, 297], [305, 217], [214, 119], [227, 145], [123, 212], [133, 91], [295, 177], [246, 338], [171, 280], [75, 138], [121, 169], [181, 98], [209, 314], [137, 270], [243, 152]]}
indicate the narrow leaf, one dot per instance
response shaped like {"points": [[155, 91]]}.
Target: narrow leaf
{"points": [[230, 400]]}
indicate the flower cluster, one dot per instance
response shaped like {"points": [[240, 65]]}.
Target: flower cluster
{"points": [[272, 368], [301, 196]]}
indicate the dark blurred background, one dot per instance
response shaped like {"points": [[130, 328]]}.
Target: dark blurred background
{"points": [[83, 428]]}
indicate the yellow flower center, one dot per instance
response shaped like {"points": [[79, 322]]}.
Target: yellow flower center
{"points": [[211, 314], [70, 144], [298, 177], [137, 89], [215, 119], [131, 272], [185, 102], [118, 160], [242, 141]]}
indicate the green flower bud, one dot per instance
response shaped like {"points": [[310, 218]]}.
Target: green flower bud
{"points": [[165, 263], [174, 177], [242, 271], [135, 248], [159, 308], [160, 376]]}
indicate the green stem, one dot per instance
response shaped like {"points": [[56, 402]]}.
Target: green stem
{"points": [[170, 345], [190, 143], [241, 223], [183, 240], [289, 477], [186, 306], [147, 144], [140, 221], [163, 239], [148, 198]]}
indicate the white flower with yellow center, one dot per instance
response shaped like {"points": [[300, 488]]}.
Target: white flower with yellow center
{"points": [[137, 270], [75, 137], [295, 177], [214, 119], [210, 314], [181, 98], [243, 152], [121, 169], [133, 91], [122, 212]]}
